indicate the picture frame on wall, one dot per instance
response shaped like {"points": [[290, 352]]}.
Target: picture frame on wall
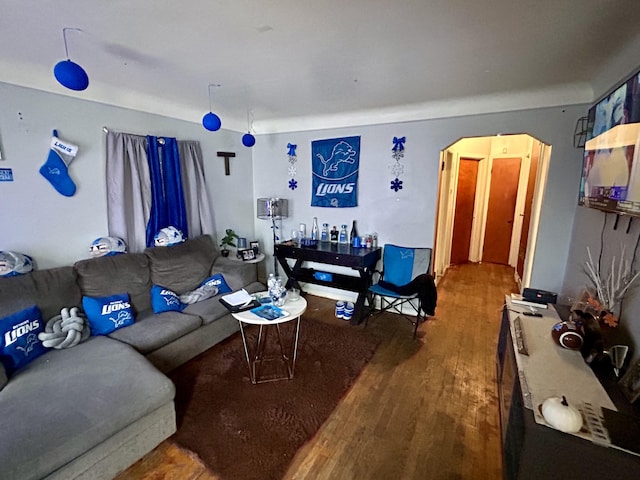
{"points": [[255, 246], [247, 254], [630, 383]]}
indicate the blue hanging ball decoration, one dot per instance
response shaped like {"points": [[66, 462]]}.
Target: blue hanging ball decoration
{"points": [[248, 140], [71, 75], [211, 122]]}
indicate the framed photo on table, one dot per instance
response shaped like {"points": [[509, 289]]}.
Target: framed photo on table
{"points": [[247, 254], [255, 246], [630, 383]]}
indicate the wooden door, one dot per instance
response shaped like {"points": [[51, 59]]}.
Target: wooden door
{"points": [[528, 203], [465, 200], [501, 209]]}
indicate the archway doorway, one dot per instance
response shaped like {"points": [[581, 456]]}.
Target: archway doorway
{"points": [[489, 201]]}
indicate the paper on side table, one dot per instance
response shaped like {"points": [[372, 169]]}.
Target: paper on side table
{"points": [[241, 297]]}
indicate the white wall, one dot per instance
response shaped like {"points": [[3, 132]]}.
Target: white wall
{"points": [[590, 226], [57, 230], [408, 217]]}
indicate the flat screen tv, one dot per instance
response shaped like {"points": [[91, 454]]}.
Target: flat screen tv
{"points": [[611, 165]]}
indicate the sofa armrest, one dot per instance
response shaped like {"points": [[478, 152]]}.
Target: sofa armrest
{"points": [[238, 274]]}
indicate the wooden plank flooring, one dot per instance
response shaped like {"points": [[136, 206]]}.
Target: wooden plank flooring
{"points": [[421, 409]]}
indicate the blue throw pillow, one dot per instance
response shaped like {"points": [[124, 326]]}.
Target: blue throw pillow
{"points": [[19, 343], [165, 300], [219, 281], [107, 314]]}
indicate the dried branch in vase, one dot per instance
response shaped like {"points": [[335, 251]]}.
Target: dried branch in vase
{"points": [[610, 287]]}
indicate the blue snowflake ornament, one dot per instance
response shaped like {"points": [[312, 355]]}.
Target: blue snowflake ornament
{"points": [[291, 170], [396, 185], [397, 168]]}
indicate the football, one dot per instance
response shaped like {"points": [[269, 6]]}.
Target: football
{"points": [[568, 335]]}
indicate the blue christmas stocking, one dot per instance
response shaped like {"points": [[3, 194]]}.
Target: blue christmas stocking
{"points": [[56, 167]]}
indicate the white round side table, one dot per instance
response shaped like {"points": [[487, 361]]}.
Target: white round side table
{"points": [[255, 353]]}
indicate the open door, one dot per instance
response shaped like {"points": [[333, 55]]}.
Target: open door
{"points": [[528, 204], [444, 215]]}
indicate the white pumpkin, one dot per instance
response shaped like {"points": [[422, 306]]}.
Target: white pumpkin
{"points": [[560, 415]]}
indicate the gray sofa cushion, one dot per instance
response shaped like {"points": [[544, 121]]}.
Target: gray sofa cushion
{"points": [[51, 290], [67, 401], [211, 309], [124, 273], [237, 273], [151, 331], [182, 267]]}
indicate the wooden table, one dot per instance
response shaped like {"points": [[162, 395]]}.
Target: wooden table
{"points": [[362, 260]]}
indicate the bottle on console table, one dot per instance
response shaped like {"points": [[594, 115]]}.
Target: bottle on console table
{"points": [[343, 234], [324, 236], [353, 234], [334, 235], [314, 229]]}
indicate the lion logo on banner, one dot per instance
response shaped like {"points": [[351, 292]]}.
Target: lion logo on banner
{"points": [[342, 152]]}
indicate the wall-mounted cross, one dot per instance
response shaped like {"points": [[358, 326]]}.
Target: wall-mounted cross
{"points": [[227, 156]]}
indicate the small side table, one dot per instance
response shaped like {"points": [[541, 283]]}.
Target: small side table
{"points": [[255, 353], [259, 257]]}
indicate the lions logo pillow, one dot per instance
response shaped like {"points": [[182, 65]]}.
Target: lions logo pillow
{"points": [[107, 314], [218, 281], [165, 300], [19, 343]]}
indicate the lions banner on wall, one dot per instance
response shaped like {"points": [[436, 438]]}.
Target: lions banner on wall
{"points": [[334, 166]]}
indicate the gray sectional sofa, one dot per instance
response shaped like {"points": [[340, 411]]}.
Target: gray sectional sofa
{"points": [[90, 411]]}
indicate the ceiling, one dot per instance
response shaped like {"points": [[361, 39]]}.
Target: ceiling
{"points": [[294, 64]]}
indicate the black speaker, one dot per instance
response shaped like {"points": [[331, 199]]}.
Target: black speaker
{"points": [[539, 296]]}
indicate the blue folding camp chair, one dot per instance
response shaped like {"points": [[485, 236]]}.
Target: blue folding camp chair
{"points": [[400, 265]]}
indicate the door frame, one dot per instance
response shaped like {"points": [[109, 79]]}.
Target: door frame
{"points": [[445, 210]]}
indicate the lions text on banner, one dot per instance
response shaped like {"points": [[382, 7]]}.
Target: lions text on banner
{"points": [[335, 165]]}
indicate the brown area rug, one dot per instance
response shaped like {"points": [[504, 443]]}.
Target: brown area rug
{"points": [[245, 431]]}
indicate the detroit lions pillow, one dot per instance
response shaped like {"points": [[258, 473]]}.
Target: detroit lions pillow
{"points": [[165, 300], [19, 343], [107, 314], [218, 281]]}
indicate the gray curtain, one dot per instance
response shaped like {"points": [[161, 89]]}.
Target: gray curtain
{"points": [[129, 189], [196, 196]]}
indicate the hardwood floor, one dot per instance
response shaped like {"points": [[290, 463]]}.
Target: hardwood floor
{"points": [[421, 409]]}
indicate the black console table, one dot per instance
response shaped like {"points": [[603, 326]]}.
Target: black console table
{"points": [[363, 260], [532, 451]]}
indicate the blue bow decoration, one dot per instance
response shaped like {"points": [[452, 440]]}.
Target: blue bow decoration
{"points": [[398, 144], [292, 149]]}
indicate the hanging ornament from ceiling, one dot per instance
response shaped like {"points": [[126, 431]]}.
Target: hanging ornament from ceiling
{"points": [[248, 140], [397, 168], [211, 121], [293, 183], [69, 74]]}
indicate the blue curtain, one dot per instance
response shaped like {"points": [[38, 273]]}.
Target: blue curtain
{"points": [[167, 196]]}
